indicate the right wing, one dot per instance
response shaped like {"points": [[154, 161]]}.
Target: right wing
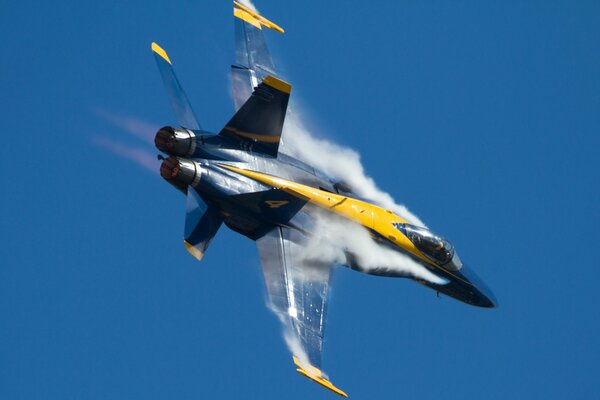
{"points": [[298, 288], [253, 62]]}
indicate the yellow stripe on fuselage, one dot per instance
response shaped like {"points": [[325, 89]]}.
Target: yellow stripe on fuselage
{"points": [[368, 215]]}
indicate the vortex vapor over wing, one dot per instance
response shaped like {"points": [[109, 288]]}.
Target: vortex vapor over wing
{"points": [[249, 4], [333, 238], [339, 162]]}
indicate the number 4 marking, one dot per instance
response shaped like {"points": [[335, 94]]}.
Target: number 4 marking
{"points": [[276, 203]]}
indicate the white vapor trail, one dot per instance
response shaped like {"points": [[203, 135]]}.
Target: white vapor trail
{"points": [[140, 156], [334, 236], [134, 126], [339, 162], [249, 4], [330, 240], [291, 339]]}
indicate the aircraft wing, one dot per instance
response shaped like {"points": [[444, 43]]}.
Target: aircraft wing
{"points": [[253, 61], [298, 288]]}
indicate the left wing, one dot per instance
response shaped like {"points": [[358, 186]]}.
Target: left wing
{"points": [[298, 289]]}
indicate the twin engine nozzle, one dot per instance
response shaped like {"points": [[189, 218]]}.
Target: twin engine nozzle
{"points": [[179, 143]]}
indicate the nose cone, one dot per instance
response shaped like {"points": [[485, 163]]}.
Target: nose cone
{"points": [[481, 295]]}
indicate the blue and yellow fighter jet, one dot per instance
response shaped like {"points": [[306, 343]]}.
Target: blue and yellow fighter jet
{"points": [[239, 177]]}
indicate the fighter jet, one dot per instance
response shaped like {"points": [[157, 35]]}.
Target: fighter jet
{"points": [[239, 177]]}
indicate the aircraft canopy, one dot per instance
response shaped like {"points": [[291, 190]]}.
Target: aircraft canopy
{"points": [[434, 247]]}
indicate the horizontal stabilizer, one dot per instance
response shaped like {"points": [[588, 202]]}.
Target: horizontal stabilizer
{"points": [[315, 374], [179, 102], [260, 120], [201, 224]]}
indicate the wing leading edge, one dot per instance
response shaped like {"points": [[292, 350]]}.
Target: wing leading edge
{"points": [[298, 289]]}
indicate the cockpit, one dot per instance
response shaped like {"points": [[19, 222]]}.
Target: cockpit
{"points": [[437, 249]]}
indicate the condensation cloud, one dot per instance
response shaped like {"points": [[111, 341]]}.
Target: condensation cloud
{"points": [[339, 162]]}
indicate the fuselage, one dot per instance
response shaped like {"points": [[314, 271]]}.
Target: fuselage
{"points": [[233, 176]]}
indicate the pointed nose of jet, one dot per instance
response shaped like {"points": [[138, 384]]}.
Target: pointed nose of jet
{"points": [[481, 296], [486, 300]]}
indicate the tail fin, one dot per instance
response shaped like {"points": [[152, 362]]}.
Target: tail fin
{"points": [[179, 102], [202, 222], [260, 119]]}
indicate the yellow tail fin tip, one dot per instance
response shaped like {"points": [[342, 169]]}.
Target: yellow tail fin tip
{"points": [[160, 51]]}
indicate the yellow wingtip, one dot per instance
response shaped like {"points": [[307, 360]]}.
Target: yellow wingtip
{"points": [[315, 374], [197, 254], [254, 18], [160, 51], [243, 15]]}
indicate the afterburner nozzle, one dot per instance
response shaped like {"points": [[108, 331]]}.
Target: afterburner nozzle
{"points": [[175, 141], [180, 172]]}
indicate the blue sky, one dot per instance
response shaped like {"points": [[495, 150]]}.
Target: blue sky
{"points": [[482, 117]]}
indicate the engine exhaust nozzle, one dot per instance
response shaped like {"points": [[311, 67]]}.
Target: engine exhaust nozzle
{"points": [[180, 172], [175, 141]]}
